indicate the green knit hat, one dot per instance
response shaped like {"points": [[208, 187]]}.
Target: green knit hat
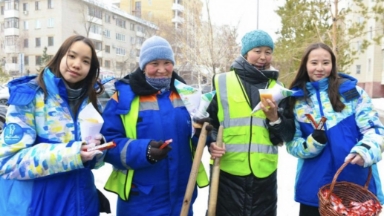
{"points": [[256, 38]]}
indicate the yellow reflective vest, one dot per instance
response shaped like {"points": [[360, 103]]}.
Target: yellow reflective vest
{"points": [[246, 137], [120, 181]]}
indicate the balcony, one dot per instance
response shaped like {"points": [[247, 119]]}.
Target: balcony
{"points": [[177, 7], [11, 31], [93, 19], [11, 13], [140, 34], [94, 36], [11, 49], [178, 20], [11, 67]]}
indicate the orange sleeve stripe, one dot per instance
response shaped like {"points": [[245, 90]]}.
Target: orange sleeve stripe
{"points": [[148, 98], [174, 96], [115, 97]]}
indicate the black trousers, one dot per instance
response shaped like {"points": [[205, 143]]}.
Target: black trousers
{"points": [[306, 210]]}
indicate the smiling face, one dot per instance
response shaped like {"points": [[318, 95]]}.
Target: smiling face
{"points": [[76, 63], [319, 64], [159, 69], [260, 57]]}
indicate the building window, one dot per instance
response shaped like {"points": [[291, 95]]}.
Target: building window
{"points": [[14, 60], [38, 42], [137, 11], [132, 27], [11, 22], [358, 69], [97, 29], [50, 41], [38, 60], [12, 5], [120, 51], [107, 49], [25, 43], [100, 61], [120, 37], [25, 6], [37, 5], [358, 46], [107, 18], [26, 60], [38, 24], [107, 63], [50, 4], [2, 10], [98, 45], [107, 33], [120, 23], [95, 12], [10, 40], [25, 24], [370, 32], [51, 23]]}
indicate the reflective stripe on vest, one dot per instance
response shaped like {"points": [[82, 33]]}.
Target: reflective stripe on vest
{"points": [[120, 181], [248, 147]]}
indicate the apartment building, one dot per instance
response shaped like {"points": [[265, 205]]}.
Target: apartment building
{"points": [[368, 69], [180, 22], [32, 30]]}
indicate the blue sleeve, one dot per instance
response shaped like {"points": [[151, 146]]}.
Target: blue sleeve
{"points": [[129, 153]]}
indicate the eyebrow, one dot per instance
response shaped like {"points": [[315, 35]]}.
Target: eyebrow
{"points": [[73, 52]]}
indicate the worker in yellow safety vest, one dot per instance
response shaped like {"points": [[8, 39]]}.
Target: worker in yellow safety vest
{"points": [[150, 178], [248, 164]]}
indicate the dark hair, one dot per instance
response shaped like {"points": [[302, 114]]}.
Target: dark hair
{"points": [[89, 82], [333, 80]]}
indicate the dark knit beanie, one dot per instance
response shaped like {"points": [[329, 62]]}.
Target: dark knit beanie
{"points": [[155, 48], [256, 38]]}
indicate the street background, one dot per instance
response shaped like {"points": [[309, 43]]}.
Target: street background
{"points": [[286, 205]]}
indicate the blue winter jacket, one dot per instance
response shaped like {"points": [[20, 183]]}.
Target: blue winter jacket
{"points": [[357, 129], [159, 188], [40, 165]]}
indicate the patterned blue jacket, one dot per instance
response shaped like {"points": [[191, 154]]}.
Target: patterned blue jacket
{"points": [[40, 166], [347, 131]]}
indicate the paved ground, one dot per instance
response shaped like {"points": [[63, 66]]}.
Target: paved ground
{"points": [[286, 176]]}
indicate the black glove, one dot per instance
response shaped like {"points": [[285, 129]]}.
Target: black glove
{"points": [[154, 153], [198, 124], [320, 136]]}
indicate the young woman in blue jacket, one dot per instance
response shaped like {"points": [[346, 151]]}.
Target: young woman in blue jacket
{"points": [[352, 129], [44, 166]]}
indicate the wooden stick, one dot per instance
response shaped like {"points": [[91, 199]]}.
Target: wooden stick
{"points": [[194, 171], [214, 186]]}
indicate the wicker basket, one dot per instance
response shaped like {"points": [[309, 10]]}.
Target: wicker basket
{"points": [[347, 191]]}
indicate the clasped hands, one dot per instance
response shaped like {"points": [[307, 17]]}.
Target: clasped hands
{"points": [[89, 155]]}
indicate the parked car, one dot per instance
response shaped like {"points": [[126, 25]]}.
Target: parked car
{"points": [[3, 112], [4, 94]]}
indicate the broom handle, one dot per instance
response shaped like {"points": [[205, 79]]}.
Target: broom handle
{"points": [[195, 169], [215, 177]]}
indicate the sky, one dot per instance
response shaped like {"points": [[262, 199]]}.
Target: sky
{"points": [[243, 13]]}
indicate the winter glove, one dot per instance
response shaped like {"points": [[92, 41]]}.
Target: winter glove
{"points": [[320, 136], [198, 124], [154, 153]]}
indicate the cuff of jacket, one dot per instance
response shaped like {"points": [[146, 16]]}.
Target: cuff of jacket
{"points": [[313, 147], [368, 153]]}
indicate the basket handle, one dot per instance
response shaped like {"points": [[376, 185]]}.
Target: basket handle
{"points": [[339, 171]]}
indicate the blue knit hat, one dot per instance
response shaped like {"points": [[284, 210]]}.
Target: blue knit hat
{"points": [[256, 38], [155, 48]]}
